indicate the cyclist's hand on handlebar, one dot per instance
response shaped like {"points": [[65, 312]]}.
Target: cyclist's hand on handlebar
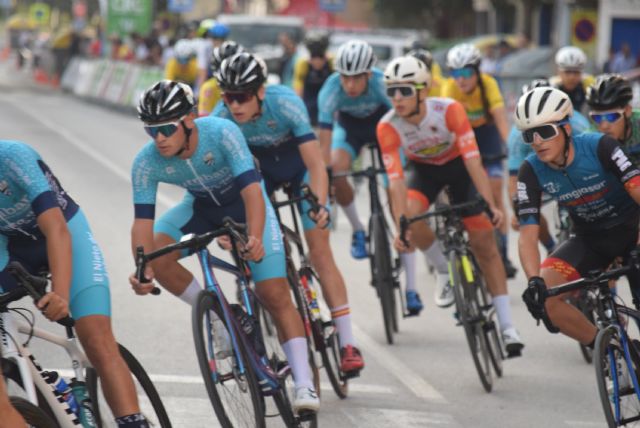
{"points": [[142, 288], [253, 250], [321, 218], [53, 306], [497, 217], [515, 224], [224, 242], [399, 244], [532, 297]]}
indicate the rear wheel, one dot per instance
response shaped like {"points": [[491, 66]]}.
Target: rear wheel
{"points": [[33, 416]]}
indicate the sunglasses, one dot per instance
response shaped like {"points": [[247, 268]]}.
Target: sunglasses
{"points": [[239, 97], [545, 132], [166, 129], [405, 90], [609, 116], [465, 72]]}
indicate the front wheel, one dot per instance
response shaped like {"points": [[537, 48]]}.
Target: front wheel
{"points": [[33, 416], [148, 398], [382, 274]]}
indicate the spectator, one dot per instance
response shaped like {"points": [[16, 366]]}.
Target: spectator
{"points": [[624, 60], [606, 67], [139, 47], [288, 59]]}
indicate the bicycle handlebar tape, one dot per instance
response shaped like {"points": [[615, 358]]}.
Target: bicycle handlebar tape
{"points": [[140, 267], [404, 226]]}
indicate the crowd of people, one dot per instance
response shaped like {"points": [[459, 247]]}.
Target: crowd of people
{"points": [[432, 132]]}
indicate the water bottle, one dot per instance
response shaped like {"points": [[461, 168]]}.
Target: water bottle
{"points": [[62, 388], [85, 411]]}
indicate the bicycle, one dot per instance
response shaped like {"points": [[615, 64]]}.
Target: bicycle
{"points": [[236, 383], [616, 361], [22, 369], [32, 415], [319, 325], [474, 310], [385, 270]]}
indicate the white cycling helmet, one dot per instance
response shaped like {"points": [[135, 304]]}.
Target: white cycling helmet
{"points": [[570, 58], [184, 48], [407, 69], [463, 55], [354, 57], [541, 106]]}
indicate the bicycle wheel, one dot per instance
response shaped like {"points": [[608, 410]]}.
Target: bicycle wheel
{"points": [[148, 398], [330, 353], [381, 272], [234, 393], [618, 396], [33, 416], [470, 317]]}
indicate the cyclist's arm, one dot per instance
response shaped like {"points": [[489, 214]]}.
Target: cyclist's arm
{"points": [[528, 250], [500, 118], [54, 227], [324, 137], [390, 146], [327, 106], [529, 195], [254, 208], [313, 160], [496, 106], [398, 192], [616, 161], [480, 179], [142, 234]]}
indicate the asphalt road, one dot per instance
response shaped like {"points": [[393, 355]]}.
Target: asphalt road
{"points": [[427, 379]]}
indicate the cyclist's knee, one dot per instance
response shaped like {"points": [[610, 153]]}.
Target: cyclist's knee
{"points": [[274, 294], [97, 339]]}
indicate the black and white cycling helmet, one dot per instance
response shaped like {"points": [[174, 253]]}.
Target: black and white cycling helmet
{"points": [[423, 55], [571, 58], [354, 57], [165, 101], [535, 83], [225, 50], [407, 69], [542, 106], [609, 91], [463, 55], [242, 72]]}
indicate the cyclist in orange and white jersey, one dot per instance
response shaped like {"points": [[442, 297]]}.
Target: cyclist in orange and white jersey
{"points": [[441, 150]]}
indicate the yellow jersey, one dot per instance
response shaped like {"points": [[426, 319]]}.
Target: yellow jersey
{"points": [[186, 73], [210, 94], [473, 102]]}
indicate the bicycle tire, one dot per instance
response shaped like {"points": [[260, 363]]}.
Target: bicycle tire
{"points": [[330, 353], [382, 275], [151, 407], [207, 302], [468, 311], [34, 416], [10, 371]]}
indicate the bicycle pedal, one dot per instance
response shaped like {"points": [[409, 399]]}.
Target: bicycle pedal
{"points": [[306, 415], [351, 375], [514, 354]]}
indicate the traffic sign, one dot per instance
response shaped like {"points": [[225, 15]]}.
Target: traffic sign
{"points": [[40, 13]]}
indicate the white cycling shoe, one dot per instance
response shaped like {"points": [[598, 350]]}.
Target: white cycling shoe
{"points": [[512, 342], [221, 339], [305, 400], [444, 291]]}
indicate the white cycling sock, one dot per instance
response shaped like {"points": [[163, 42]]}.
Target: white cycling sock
{"points": [[409, 263], [436, 258], [502, 304], [296, 351], [352, 214], [342, 319], [190, 294]]}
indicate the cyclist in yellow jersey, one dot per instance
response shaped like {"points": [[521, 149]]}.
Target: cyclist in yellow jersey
{"points": [[571, 80], [183, 67], [434, 69], [481, 98], [210, 92]]}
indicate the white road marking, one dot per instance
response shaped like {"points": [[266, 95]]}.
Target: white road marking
{"points": [[396, 418]]}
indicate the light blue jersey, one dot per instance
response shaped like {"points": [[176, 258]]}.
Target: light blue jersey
{"points": [[518, 150]]}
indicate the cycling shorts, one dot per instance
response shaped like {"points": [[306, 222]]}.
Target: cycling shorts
{"points": [[491, 147], [352, 133], [196, 215], [426, 181], [89, 293], [586, 251]]}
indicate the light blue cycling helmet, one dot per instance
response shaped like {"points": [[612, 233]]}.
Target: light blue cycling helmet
{"points": [[218, 31]]}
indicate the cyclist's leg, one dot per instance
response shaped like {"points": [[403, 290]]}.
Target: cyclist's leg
{"points": [[90, 305], [342, 155]]}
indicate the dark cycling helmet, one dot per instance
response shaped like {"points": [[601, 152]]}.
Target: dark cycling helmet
{"points": [[535, 83], [609, 91], [225, 50], [242, 72], [218, 31], [423, 55], [165, 101], [317, 43]]}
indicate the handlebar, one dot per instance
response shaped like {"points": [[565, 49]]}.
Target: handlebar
{"points": [[237, 232], [34, 286], [306, 195]]}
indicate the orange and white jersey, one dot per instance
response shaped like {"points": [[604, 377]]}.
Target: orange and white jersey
{"points": [[444, 134]]}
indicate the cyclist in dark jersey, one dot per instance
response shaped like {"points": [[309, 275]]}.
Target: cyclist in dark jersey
{"points": [[310, 73], [590, 176], [609, 99]]}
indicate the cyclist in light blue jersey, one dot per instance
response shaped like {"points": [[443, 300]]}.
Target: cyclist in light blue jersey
{"points": [[350, 104], [45, 230], [518, 152], [276, 125], [209, 157]]}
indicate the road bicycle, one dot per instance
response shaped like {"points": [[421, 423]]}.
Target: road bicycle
{"points": [[474, 309], [32, 415], [385, 269], [22, 371], [237, 382]]}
